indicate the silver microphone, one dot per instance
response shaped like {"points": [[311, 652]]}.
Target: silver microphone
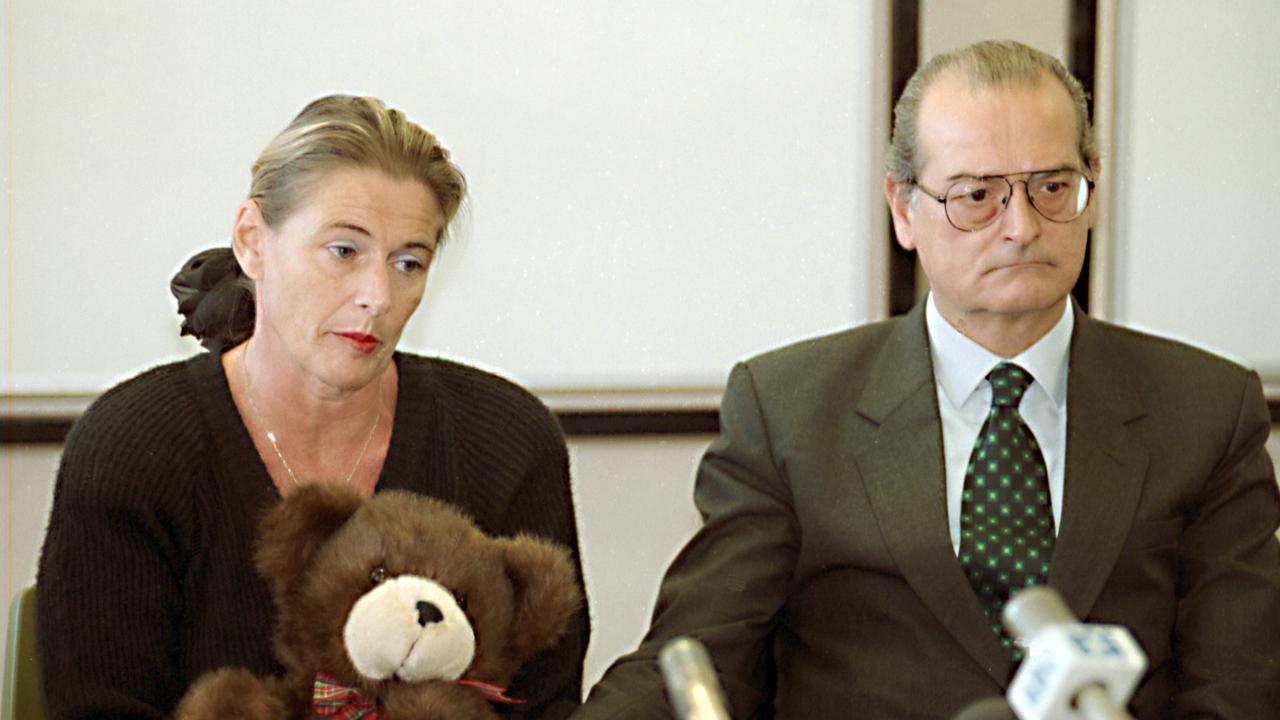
{"points": [[691, 681]]}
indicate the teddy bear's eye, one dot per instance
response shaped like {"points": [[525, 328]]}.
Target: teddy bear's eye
{"points": [[462, 602], [378, 575]]}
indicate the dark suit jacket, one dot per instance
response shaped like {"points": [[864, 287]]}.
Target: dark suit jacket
{"points": [[824, 582]]}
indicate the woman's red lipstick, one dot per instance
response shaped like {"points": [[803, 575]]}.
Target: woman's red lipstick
{"points": [[360, 342]]}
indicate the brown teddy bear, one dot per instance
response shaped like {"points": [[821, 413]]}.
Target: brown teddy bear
{"points": [[395, 608]]}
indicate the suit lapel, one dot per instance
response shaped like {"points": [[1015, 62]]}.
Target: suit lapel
{"points": [[899, 456], [1105, 468]]}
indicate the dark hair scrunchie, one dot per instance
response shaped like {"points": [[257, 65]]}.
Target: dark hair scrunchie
{"points": [[216, 299]]}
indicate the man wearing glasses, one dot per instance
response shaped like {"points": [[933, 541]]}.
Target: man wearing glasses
{"points": [[876, 496]]}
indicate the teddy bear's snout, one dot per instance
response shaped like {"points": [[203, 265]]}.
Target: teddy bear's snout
{"points": [[428, 613], [409, 627]]}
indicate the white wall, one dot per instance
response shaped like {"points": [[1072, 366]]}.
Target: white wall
{"points": [[635, 511], [646, 174], [947, 25], [1197, 174]]}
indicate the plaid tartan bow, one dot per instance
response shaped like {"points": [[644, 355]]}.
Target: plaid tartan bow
{"points": [[330, 697]]}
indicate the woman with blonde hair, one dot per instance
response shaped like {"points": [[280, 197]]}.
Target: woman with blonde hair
{"points": [[146, 580]]}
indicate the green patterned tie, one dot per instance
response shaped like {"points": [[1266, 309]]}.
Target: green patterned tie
{"points": [[1006, 520]]}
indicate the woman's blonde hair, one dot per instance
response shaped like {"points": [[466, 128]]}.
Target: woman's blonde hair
{"points": [[350, 131]]}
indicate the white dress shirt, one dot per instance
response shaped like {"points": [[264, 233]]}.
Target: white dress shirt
{"points": [[960, 368]]}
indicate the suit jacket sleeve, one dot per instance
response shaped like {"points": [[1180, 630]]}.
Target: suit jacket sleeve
{"points": [[1227, 632], [731, 580]]}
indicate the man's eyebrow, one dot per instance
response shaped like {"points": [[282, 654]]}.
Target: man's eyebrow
{"points": [[977, 176]]}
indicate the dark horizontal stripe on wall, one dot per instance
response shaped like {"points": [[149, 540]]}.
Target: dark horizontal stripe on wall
{"points": [[651, 422], [1081, 51], [34, 431], [44, 431], [904, 49]]}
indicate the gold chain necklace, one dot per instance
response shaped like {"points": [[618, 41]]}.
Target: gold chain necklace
{"points": [[257, 414]]}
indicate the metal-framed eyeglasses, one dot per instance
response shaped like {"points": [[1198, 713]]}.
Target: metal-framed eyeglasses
{"points": [[974, 203]]}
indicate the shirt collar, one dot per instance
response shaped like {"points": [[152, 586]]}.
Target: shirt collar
{"points": [[961, 364]]}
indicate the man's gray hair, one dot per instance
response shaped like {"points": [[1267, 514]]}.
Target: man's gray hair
{"points": [[989, 64]]}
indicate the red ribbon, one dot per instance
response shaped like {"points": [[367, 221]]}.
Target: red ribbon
{"points": [[492, 693]]}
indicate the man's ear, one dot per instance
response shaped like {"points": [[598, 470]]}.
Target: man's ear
{"points": [[247, 235], [898, 194], [1095, 170]]}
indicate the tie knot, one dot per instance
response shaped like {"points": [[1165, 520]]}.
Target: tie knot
{"points": [[1008, 383]]}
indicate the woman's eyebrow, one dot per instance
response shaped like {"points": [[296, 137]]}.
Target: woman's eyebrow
{"points": [[344, 225]]}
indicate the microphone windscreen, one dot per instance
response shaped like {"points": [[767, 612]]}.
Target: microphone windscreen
{"points": [[994, 708], [1031, 610]]}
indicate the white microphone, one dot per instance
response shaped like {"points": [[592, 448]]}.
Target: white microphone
{"points": [[1072, 670], [691, 681]]}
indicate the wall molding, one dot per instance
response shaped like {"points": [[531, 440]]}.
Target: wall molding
{"points": [[52, 430], [46, 419]]}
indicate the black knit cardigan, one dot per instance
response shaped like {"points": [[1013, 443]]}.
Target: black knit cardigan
{"points": [[146, 579]]}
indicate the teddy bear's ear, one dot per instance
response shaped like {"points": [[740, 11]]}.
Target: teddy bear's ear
{"points": [[292, 532], [546, 593]]}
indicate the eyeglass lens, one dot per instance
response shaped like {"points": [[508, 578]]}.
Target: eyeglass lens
{"points": [[1060, 196]]}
